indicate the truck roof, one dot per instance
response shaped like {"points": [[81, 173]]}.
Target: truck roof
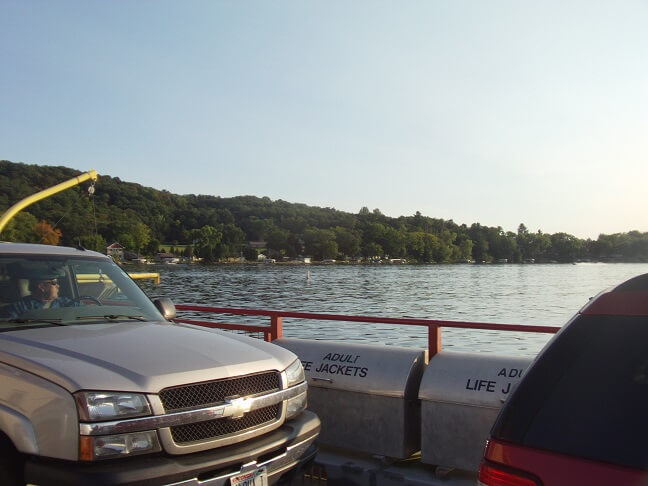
{"points": [[36, 249]]}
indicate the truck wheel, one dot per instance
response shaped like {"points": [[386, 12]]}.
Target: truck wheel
{"points": [[10, 465]]}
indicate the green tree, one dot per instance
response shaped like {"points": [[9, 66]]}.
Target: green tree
{"points": [[250, 253], [539, 246], [93, 242], [392, 242], [21, 229], [565, 247], [371, 250], [126, 240], [278, 240], [206, 242], [152, 247], [481, 247], [465, 249], [295, 246], [320, 243], [258, 229], [633, 246], [606, 246], [348, 241], [231, 242], [524, 240], [421, 247], [141, 235], [414, 246], [444, 249]]}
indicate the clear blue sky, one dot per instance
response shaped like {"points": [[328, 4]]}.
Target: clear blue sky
{"points": [[497, 112]]}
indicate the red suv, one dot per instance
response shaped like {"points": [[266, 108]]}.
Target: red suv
{"points": [[580, 414]]}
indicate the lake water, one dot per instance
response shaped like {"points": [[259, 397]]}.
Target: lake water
{"points": [[547, 294]]}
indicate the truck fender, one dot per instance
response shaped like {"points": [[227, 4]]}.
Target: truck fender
{"points": [[19, 430], [37, 415]]}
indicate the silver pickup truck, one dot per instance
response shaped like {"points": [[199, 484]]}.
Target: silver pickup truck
{"points": [[98, 386]]}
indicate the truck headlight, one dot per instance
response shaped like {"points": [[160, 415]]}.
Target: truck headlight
{"points": [[295, 373], [294, 376], [96, 406], [295, 406], [122, 445]]}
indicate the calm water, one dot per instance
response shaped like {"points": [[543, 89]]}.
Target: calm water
{"points": [[505, 294]]}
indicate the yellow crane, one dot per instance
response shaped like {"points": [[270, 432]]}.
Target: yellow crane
{"points": [[23, 203]]}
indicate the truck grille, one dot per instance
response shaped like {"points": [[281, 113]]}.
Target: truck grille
{"points": [[210, 429], [211, 393]]}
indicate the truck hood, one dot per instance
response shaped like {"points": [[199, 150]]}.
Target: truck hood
{"points": [[137, 356]]}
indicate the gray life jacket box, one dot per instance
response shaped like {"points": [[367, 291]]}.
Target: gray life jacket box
{"points": [[461, 395], [365, 395]]}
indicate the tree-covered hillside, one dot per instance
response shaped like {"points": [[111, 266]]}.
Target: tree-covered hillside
{"points": [[215, 228]]}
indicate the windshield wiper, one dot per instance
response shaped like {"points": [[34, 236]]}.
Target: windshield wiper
{"points": [[113, 317], [20, 320]]}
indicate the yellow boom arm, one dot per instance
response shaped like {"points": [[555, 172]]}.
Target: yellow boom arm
{"points": [[11, 212]]}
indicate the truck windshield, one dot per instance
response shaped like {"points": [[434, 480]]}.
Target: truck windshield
{"points": [[49, 290]]}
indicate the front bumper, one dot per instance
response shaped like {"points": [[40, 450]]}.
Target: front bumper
{"points": [[280, 451]]}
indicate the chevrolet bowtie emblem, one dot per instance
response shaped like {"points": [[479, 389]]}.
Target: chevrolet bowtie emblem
{"points": [[236, 407]]}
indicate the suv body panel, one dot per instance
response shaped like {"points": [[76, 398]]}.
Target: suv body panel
{"points": [[579, 414], [560, 470]]}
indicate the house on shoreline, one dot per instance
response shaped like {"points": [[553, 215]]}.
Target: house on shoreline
{"points": [[115, 250]]}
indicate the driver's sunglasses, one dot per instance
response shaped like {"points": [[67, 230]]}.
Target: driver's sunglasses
{"points": [[51, 282]]}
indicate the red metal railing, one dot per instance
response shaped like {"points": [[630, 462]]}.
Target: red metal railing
{"points": [[275, 329]]}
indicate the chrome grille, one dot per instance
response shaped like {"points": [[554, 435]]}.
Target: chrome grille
{"points": [[212, 393], [183, 434]]}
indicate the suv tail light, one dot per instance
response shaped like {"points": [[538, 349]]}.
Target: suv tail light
{"points": [[493, 475]]}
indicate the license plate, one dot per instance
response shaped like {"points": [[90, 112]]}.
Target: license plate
{"points": [[258, 477]]}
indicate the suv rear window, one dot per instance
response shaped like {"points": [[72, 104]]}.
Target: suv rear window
{"points": [[587, 394]]}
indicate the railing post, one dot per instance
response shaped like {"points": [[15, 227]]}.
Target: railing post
{"points": [[276, 328], [434, 340]]}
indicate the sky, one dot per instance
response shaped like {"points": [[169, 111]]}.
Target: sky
{"points": [[491, 112]]}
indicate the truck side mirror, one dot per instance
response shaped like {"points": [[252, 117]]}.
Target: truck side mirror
{"points": [[166, 307]]}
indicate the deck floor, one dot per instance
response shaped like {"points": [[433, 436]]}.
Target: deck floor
{"points": [[338, 468]]}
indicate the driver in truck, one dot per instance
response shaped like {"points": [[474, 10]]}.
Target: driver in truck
{"points": [[44, 288]]}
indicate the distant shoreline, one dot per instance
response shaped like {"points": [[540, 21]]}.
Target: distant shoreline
{"points": [[383, 264]]}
